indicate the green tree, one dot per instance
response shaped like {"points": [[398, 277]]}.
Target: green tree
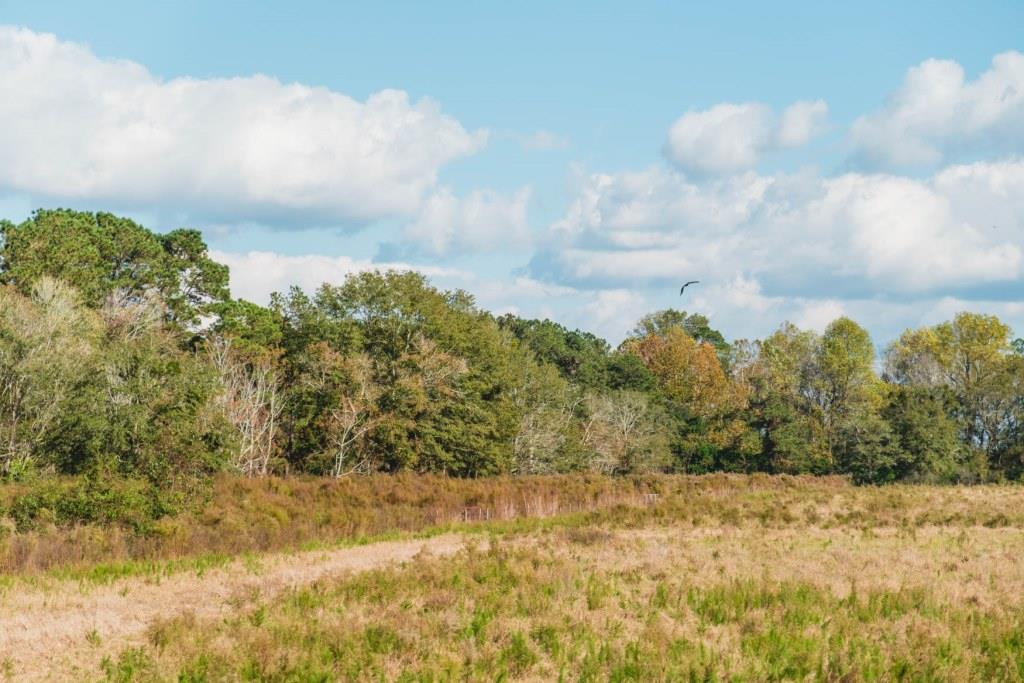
{"points": [[444, 372], [190, 281], [48, 354], [694, 324], [102, 255], [626, 372], [849, 393], [254, 331], [973, 357], [779, 373], [845, 383], [580, 357], [867, 449], [110, 394], [924, 426]]}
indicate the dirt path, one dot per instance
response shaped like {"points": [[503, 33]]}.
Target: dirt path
{"points": [[62, 630]]}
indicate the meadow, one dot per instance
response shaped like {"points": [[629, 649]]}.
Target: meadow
{"points": [[715, 578]]}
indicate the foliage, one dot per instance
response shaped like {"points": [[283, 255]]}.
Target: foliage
{"points": [[694, 324], [110, 393], [580, 357], [924, 425], [779, 373], [101, 255], [48, 345], [972, 357], [122, 356], [435, 385], [706, 403]]}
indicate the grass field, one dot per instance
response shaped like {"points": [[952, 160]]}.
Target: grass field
{"points": [[717, 578]]}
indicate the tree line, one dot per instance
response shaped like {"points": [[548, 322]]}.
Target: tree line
{"points": [[123, 357]]}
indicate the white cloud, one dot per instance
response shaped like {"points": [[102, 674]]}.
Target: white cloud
{"points": [[937, 111], [726, 137], [800, 122], [255, 275], [737, 306], [79, 127], [816, 315], [732, 137], [741, 293], [517, 288], [521, 295], [993, 190], [946, 307], [480, 221], [803, 235], [637, 209], [612, 313]]}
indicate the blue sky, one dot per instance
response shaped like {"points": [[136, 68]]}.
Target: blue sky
{"points": [[804, 160]]}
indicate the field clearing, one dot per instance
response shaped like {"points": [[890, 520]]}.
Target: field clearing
{"points": [[59, 628], [723, 578]]}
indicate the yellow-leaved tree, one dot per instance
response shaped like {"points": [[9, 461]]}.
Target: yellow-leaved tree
{"points": [[973, 357]]}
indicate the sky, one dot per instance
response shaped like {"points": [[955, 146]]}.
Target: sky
{"points": [[577, 161]]}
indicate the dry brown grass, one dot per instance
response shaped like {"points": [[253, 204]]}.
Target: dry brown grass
{"points": [[273, 514], [658, 603], [724, 578], [56, 629], [268, 515]]}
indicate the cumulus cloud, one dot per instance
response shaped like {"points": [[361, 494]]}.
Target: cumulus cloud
{"points": [[732, 137], [816, 315], [800, 122], [255, 275], [937, 111], [736, 306], [480, 221], [506, 293], [850, 235], [745, 293], [83, 128], [612, 313], [522, 295], [886, 318]]}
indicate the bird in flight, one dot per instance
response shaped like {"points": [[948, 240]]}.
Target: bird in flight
{"points": [[691, 282]]}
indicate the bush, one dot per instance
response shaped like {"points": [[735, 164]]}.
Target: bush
{"points": [[132, 503]]}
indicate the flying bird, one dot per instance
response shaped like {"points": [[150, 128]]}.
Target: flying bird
{"points": [[691, 282]]}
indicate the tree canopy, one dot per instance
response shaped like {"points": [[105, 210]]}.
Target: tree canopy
{"points": [[102, 256], [123, 355]]}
